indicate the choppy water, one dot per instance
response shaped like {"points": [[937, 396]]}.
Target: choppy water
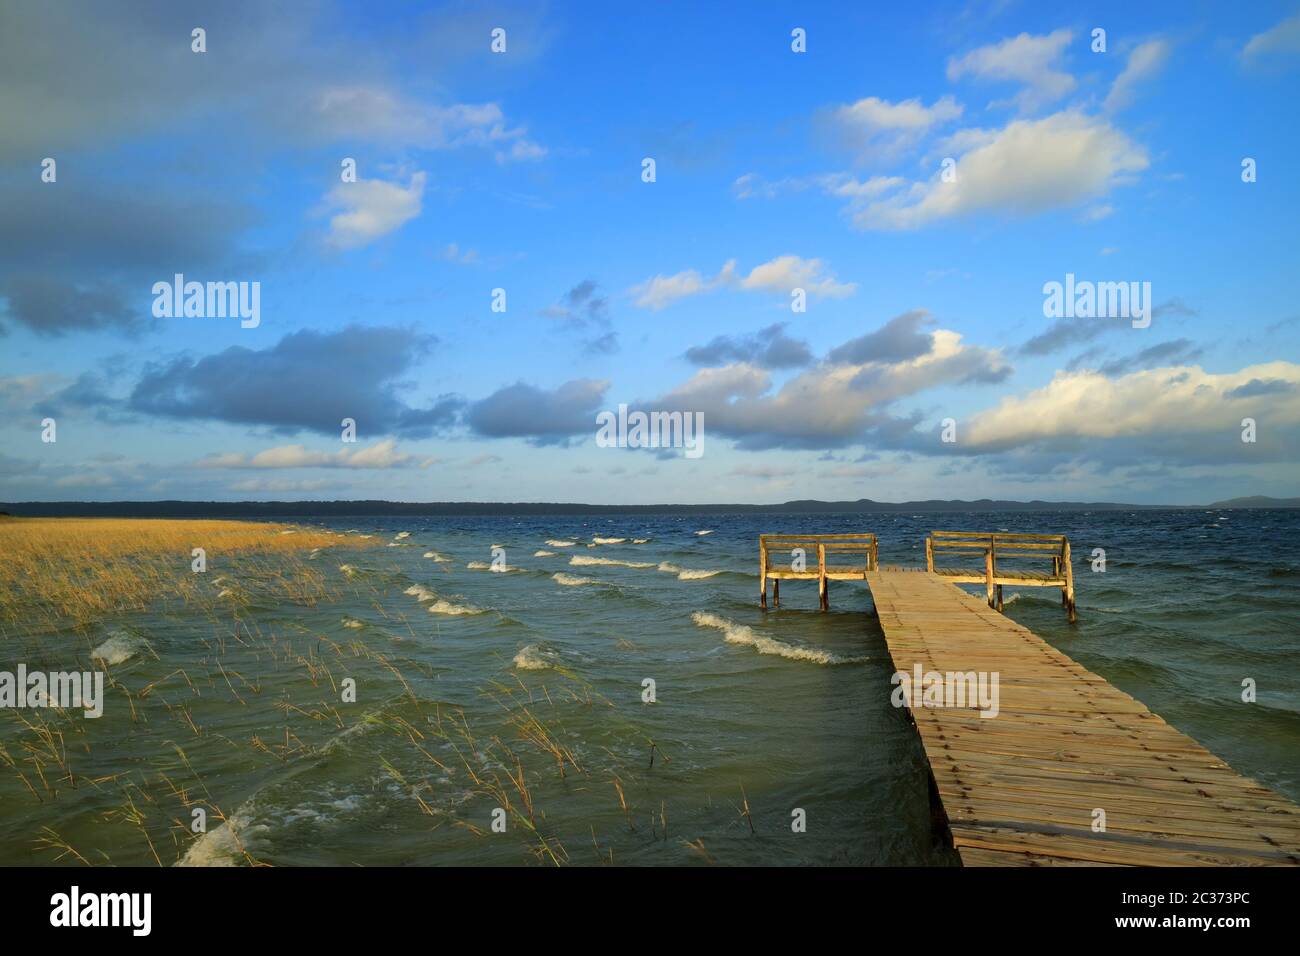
{"points": [[467, 677]]}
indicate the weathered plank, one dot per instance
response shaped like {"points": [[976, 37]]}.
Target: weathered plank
{"points": [[1021, 788]]}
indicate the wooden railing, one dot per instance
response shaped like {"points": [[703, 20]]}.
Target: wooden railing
{"points": [[993, 550], [838, 557]]}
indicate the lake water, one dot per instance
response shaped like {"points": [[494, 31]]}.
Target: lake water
{"points": [[474, 688]]}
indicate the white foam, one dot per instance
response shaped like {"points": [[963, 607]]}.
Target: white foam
{"points": [[534, 658], [640, 540], [441, 559], [555, 543], [543, 554], [119, 648], [702, 533], [401, 534], [420, 592], [572, 580], [686, 574], [441, 606], [740, 634], [353, 623], [579, 559], [484, 566], [595, 540], [225, 845], [348, 569]]}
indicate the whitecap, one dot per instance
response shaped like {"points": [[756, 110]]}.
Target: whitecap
{"points": [[740, 634], [119, 648], [484, 566], [543, 554], [579, 559], [534, 658], [595, 540], [686, 574], [572, 580], [225, 845], [555, 543], [441, 606], [702, 533]]}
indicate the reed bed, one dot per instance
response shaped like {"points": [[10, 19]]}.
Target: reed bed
{"points": [[60, 571], [247, 697]]}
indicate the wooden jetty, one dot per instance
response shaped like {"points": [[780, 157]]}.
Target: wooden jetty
{"points": [[1030, 786], [853, 556], [1003, 562]]}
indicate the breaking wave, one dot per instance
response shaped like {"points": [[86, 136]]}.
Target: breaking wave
{"points": [[580, 560], [740, 634]]}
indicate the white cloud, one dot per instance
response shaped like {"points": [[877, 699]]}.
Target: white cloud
{"points": [[377, 114], [374, 208], [1031, 61], [1145, 61], [453, 253], [839, 185], [780, 276], [273, 485], [1158, 402], [1281, 39], [873, 127], [381, 455], [662, 291], [1030, 166], [784, 273]]}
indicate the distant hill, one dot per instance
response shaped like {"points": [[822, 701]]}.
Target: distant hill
{"points": [[1258, 501], [265, 509]]}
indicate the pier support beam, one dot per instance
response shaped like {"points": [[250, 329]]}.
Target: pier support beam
{"points": [[988, 576], [822, 592]]}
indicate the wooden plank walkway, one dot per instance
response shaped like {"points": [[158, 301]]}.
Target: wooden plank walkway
{"points": [[1021, 788]]}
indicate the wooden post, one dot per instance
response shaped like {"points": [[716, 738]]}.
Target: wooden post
{"points": [[999, 590], [988, 575], [875, 555], [762, 573], [1069, 581], [776, 592], [929, 553], [821, 577]]}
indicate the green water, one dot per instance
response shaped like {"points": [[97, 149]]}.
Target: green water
{"points": [[759, 719]]}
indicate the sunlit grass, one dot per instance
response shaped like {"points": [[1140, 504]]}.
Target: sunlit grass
{"points": [[281, 679], [58, 571]]}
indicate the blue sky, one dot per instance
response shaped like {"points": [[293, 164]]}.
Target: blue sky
{"points": [[775, 170]]}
